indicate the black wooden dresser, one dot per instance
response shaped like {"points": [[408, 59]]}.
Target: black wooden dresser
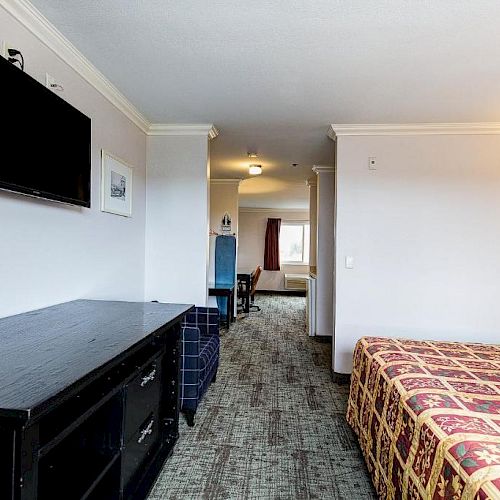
{"points": [[89, 402]]}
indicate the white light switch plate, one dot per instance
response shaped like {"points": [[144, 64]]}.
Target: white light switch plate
{"points": [[349, 262], [372, 163]]}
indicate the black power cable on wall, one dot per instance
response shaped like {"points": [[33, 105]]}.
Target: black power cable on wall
{"points": [[13, 57]]}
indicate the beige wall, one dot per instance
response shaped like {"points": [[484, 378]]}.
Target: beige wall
{"points": [[52, 253], [224, 198], [424, 230], [252, 232]]}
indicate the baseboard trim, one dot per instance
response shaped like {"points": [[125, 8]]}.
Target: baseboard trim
{"points": [[341, 378], [324, 339], [300, 293]]}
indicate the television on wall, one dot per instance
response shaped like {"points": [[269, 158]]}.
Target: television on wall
{"points": [[45, 142]]}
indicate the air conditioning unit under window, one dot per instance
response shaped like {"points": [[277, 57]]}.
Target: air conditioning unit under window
{"points": [[296, 282]]}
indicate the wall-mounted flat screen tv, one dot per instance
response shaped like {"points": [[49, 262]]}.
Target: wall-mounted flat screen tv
{"points": [[44, 141]]}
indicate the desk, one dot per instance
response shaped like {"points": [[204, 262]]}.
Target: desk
{"points": [[224, 290], [246, 278]]}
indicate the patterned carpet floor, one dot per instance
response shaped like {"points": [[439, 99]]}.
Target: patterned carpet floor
{"points": [[273, 424]]}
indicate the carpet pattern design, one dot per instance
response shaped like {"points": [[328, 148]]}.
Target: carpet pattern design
{"points": [[273, 424]]}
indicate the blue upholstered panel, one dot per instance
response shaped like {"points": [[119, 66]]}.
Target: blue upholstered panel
{"points": [[190, 367], [209, 360], [225, 267], [204, 318]]}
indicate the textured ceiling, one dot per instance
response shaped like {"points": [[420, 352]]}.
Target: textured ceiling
{"points": [[273, 75]]}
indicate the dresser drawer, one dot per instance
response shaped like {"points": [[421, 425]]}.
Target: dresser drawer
{"points": [[139, 446], [143, 396]]}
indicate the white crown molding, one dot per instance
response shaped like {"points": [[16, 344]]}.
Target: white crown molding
{"points": [[39, 26], [331, 133], [486, 128], [258, 210], [35, 22], [318, 169], [225, 181], [205, 129]]}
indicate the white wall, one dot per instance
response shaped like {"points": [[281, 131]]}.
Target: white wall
{"points": [[52, 253], [424, 229], [177, 222], [325, 253], [252, 235], [313, 215]]}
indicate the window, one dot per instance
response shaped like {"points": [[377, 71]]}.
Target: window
{"points": [[294, 243]]}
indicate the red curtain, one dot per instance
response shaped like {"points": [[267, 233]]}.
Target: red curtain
{"points": [[272, 246]]}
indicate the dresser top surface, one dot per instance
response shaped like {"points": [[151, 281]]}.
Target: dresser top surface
{"points": [[46, 351]]}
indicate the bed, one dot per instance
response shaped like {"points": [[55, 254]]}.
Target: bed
{"points": [[427, 416]]}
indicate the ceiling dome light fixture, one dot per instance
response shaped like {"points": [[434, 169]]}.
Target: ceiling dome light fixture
{"points": [[255, 169]]}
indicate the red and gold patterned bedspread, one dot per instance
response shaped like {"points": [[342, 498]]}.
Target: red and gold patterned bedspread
{"points": [[427, 415]]}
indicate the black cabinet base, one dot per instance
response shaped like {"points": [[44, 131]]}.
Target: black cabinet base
{"points": [[152, 470], [106, 433], [189, 414]]}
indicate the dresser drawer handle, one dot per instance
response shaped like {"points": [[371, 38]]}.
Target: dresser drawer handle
{"points": [[146, 431], [149, 377]]}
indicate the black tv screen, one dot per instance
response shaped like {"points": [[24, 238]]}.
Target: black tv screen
{"points": [[45, 142]]}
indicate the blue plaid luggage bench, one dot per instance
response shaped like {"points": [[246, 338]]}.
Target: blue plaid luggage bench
{"points": [[199, 357]]}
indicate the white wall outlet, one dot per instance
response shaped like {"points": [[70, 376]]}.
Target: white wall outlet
{"points": [[349, 262], [49, 81], [52, 84], [372, 163]]}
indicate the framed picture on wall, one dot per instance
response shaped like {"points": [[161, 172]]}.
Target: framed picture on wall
{"points": [[116, 185]]}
